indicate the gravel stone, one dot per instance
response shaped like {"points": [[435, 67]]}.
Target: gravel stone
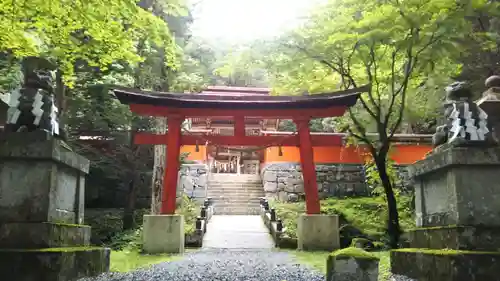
{"points": [[223, 265]]}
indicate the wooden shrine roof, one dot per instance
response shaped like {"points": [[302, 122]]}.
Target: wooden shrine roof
{"points": [[345, 98]]}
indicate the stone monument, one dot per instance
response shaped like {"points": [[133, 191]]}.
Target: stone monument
{"points": [[42, 190], [457, 195]]}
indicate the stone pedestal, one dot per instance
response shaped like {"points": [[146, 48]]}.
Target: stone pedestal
{"points": [[42, 191], [163, 234], [318, 232], [457, 190]]}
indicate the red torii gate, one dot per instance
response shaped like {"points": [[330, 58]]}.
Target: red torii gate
{"points": [[177, 107]]}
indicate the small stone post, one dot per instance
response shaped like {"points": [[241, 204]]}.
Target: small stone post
{"points": [[351, 264], [457, 195]]}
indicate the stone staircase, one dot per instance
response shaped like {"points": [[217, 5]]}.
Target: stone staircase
{"points": [[234, 194]]}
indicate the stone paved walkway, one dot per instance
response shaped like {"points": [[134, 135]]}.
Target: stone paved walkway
{"points": [[237, 232]]}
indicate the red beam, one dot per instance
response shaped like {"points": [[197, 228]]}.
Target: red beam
{"points": [[151, 110], [239, 125], [316, 140]]}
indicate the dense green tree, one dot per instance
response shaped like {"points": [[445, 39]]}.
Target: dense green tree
{"points": [[403, 51], [78, 33]]}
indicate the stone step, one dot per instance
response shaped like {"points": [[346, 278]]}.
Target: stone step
{"points": [[233, 187], [235, 181], [235, 184], [236, 211], [235, 190], [234, 176], [241, 206], [254, 193], [218, 195], [253, 196], [236, 199]]}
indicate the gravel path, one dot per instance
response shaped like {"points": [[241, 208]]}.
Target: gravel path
{"points": [[222, 265], [237, 232]]}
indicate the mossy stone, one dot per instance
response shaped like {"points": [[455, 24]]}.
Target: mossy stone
{"points": [[362, 243], [353, 252], [445, 264], [53, 264]]}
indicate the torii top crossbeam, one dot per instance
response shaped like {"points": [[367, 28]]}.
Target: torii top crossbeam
{"points": [[191, 105], [177, 107]]}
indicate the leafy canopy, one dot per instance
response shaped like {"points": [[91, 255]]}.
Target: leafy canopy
{"points": [[398, 47], [95, 32]]}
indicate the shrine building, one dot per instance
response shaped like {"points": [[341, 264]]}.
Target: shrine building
{"points": [[251, 159]]}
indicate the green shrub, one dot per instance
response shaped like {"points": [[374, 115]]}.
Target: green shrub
{"points": [[132, 239]]}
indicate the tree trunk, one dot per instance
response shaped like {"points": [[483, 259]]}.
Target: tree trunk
{"points": [[393, 228], [128, 214], [160, 154]]}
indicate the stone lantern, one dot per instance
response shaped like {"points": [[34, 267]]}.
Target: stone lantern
{"points": [[490, 103]]}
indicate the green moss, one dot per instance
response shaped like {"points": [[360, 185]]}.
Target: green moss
{"points": [[378, 245], [124, 261], [66, 224], [445, 252], [315, 259], [436, 227], [353, 252], [54, 250], [362, 241], [368, 214]]}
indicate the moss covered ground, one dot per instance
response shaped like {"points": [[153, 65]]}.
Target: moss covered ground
{"points": [[367, 214], [128, 260]]}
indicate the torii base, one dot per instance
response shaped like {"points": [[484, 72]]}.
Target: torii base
{"points": [[163, 234]]}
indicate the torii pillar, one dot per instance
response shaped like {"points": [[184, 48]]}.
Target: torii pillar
{"points": [[315, 231], [170, 176], [164, 233], [308, 167]]}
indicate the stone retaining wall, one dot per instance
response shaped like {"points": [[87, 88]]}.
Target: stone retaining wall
{"points": [[284, 182], [193, 180]]}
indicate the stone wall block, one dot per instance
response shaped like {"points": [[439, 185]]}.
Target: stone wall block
{"points": [[270, 176], [334, 180], [270, 186]]}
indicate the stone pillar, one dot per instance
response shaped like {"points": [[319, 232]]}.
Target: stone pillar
{"points": [[457, 195], [42, 194]]}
